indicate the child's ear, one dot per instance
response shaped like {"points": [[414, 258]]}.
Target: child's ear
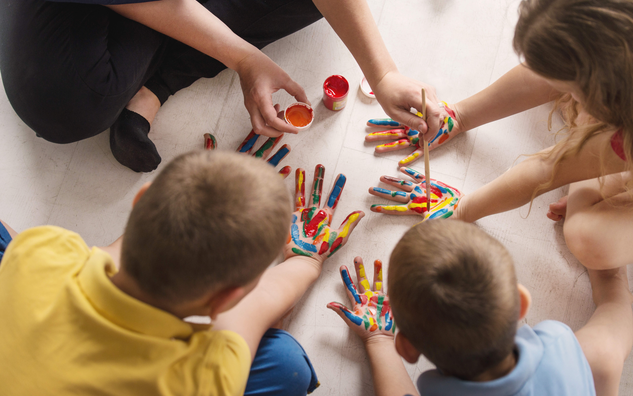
{"points": [[526, 300], [224, 300], [406, 349], [140, 192]]}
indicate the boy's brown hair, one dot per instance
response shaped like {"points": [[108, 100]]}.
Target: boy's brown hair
{"points": [[209, 220], [454, 295]]}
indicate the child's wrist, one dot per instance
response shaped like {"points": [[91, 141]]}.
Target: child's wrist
{"points": [[378, 340]]}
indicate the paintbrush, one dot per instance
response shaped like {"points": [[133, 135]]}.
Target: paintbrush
{"points": [[427, 168]]}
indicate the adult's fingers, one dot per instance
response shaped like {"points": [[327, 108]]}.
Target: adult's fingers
{"points": [[433, 115], [391, 134], [397, 196], [361, 275], [269, 114], [377, 275], [258, 122], [350, 287], [296, 90], [317, 186], [300, 189]]}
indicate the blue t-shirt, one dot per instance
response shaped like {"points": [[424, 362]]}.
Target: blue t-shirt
{"points": [[550, 362]]}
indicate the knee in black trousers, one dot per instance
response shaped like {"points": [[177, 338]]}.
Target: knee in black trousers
{"points": [[70, 69]]}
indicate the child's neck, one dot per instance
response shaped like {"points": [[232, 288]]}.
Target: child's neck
{"points": [[128, 285], [500, 370]]}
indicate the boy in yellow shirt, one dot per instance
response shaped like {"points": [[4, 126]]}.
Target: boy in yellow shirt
{"points": [[109, 321]]}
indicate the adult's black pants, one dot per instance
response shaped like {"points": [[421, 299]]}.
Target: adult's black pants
{"points": [[69, 69]]}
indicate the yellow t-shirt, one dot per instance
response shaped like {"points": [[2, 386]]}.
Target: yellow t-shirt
{"points": [[66, 329]]}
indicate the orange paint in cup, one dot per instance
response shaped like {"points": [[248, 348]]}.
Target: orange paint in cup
{"points": [[299, 115]]}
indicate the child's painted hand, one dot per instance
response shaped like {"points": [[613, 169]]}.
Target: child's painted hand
{"points": [[444, 199], [247, 146], [406, 137], [310, 232], [371, 314]]}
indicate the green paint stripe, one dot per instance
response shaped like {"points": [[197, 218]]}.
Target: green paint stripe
{"points": [[366, 321], [301, 252], [269, 143]]}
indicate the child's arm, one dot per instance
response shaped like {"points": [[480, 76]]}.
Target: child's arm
{"points": [[311, 241], [607, 338], [518, 90], [371, 319], [515, 187]]}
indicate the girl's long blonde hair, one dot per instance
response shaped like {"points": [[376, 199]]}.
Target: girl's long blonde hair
{"points": [[589, 43]]}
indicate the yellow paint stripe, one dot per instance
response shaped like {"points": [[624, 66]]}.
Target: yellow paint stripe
{"points": [[352, 219]]}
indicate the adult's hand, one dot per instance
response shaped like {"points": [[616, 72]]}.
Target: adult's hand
{"points": [[260, 77], [397, 94]]}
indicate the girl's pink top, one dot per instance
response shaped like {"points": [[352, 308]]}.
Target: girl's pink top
{"points": [[617, 142]]}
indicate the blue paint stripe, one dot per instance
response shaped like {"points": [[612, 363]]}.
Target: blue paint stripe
{"points": [[436, 136], [382, 190], [412, 132], [412, 172], [357, 320], [337, 190], [388, 322], [275, 159], [294, 231], [249, 144], [383, 122], [350, 286], [439, 213]]}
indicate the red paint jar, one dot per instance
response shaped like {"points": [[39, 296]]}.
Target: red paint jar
{"points": [[335, 90]]}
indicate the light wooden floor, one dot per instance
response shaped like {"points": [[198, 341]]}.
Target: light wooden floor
{"points": [[458, 46]]}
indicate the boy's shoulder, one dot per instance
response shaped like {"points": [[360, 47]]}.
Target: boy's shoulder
{"points": [[44, 251], [550, 362]]}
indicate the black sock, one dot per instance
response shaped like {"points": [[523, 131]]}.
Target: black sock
{"points": [[130, 144]]}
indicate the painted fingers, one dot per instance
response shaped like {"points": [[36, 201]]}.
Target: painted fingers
{"points": [[412, 201], [311, 234], [264, 151], [371, 312]]}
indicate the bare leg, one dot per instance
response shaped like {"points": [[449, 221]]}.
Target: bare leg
{"points": [[607, 338], [599, 231], [144, 103]]}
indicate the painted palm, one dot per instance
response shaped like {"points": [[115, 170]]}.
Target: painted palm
{"points": [[370, 311], [403, 137], [310, 231], [412, 197]]}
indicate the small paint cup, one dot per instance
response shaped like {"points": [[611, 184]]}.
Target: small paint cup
{"points": [[366, 89], [335, 90], [299, 115]]}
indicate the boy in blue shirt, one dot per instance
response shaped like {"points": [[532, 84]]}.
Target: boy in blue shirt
{"points": [[456, 300]]}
